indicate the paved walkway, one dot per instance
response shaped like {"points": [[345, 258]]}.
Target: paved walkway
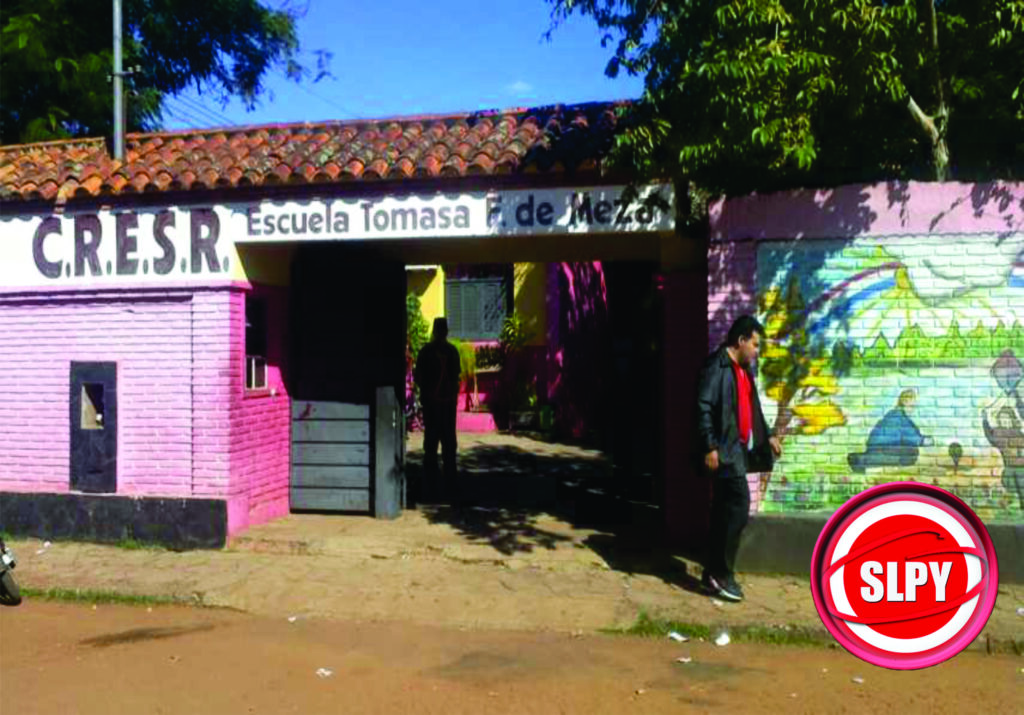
{"points": [[521, 565]]}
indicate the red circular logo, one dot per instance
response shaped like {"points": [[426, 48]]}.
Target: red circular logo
{"points": [[904, 575]]}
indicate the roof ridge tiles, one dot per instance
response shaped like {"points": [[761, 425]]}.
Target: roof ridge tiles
{"points": [[521, 139]]}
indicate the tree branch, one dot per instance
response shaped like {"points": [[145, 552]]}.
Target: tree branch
{"points": [[923, 120], [932, 32]]}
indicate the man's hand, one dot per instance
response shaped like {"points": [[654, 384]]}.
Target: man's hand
{"points": [[776, 445], [711, 460]]}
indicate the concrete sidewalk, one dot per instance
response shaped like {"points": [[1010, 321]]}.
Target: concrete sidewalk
{"points": [[536, 551], [538, 574]]}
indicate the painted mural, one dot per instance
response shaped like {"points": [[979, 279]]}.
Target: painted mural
{"points": [[895, 358]]}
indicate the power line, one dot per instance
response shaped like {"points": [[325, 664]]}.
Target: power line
{"points": [[206, 118], [323, 99], [198, 110], [181, 115], [202, 108], [183, 112]]}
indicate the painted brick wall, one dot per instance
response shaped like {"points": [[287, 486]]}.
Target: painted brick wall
{"points": [[186, 425], [212, 373], [260, 420], [895, 342], [731, 293], [150, 339], [731, 289]]}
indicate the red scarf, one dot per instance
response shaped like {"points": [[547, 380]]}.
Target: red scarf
{"points": [[745, 417]]}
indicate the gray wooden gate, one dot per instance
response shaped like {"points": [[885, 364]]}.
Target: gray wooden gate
{"points": [[330, 456], [344, 460]]}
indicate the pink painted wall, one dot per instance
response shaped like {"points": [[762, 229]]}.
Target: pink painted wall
{"points": [[152, 336], [578, 350], [186, 425], [876, 209], [731, 286], [212, 375], [732, 268], [260, 421], [890, 215]]}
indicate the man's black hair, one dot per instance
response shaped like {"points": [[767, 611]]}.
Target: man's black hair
{"points": [[744, 327]]}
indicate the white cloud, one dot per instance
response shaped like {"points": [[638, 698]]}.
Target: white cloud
{"points": [[940, 268], [519, 88]]}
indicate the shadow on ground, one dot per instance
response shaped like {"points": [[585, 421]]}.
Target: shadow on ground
{"points": [[137, 635], [506, 495]]}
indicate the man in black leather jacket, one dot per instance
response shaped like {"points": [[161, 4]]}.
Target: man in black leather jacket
{"points": [[733, 439]]}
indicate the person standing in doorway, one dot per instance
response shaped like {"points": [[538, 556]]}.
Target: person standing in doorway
{"points": [[438, 376], [734, 439]]}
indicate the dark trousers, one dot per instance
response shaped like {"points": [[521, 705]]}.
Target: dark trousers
{"points": [[730, 510], [439, 426]]}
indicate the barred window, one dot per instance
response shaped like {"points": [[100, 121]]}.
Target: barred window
{"points": [[475, 307]]}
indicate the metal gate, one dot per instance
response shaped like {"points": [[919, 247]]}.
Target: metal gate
{"points": [[348, 457]]}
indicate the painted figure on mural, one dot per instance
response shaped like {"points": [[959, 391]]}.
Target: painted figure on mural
{"points": [[1002, 423], [438, 375], [734, 439], [894, 441], [1007, 437]]}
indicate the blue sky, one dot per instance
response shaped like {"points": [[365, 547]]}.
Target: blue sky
{"points": [[398, 57]]}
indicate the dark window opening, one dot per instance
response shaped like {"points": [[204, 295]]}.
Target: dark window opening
{"points": [[92, 406], [477, 301], [255, 343]]}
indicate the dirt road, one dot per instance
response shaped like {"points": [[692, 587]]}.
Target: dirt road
{"points": [[59, 658]]}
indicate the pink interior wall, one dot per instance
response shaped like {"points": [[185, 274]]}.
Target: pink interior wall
{"points": [[578, 345]]}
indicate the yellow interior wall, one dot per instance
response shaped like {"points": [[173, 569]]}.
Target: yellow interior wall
{"points": [[271, 265], [428, 284], [266, 265], [530, 295]]}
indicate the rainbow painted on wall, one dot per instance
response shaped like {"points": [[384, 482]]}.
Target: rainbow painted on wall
{"points": [[894, 358]]}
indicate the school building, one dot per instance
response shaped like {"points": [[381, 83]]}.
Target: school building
{"points": [[212, 333]]}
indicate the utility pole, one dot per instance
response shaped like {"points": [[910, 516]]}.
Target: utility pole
{"points": [[118, 86]]}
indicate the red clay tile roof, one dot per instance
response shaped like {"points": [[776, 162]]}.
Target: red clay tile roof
{"points": [[548, 139]]}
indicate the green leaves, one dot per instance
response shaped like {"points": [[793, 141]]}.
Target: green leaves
{"points": [[55, 59], [772, 93]]}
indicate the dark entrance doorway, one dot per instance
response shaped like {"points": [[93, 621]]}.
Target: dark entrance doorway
{"points": [[348, 320], [94, 427], [348, 377]]}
